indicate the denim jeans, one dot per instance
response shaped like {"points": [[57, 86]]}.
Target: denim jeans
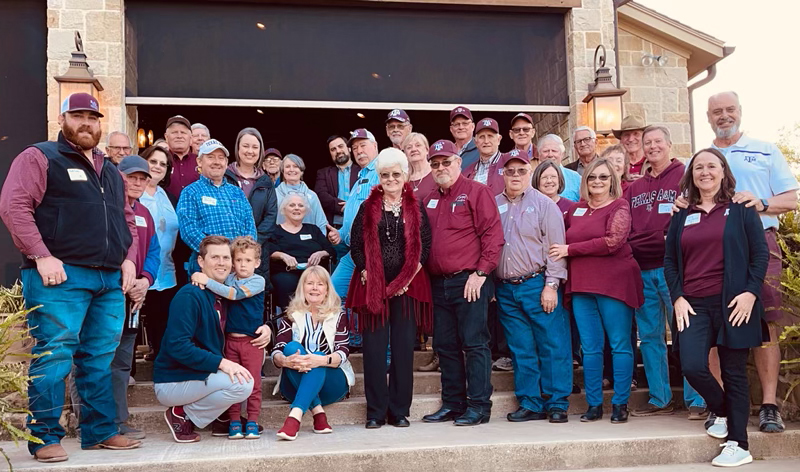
{"points": [[461, 338], [318, 386], [651, 319], [79, 320], [541, 348], [341, 282], [597, 316]]}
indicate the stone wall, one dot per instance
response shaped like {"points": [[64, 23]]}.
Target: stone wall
{"points": [[100, 23]]}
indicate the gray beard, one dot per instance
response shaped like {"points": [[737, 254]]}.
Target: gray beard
{"points": [[725, 134]]}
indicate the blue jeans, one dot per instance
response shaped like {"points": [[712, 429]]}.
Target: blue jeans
{"points": [[461, 338], [79, 321], [319, 386], [341, 250], [597, 316], [341, 282], [541, 349]]}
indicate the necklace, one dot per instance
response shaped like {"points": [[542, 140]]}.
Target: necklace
{"points": [[396, 224], [394, 207]]}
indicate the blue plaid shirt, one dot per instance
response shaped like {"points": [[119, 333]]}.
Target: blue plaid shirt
{"points": [[205, 209], [367, 178]]}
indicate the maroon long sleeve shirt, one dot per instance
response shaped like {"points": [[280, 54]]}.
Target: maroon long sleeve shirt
{"points": [[184, 172], [467, 234]]}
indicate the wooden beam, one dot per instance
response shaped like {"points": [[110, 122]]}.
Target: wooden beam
{"points": [[495, 3]]}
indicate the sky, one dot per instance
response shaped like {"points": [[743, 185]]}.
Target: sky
{"points": [[765, 68]]}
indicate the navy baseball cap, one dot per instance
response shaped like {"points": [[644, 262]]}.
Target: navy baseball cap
{"points": [[81, 102], [487, 123], [361, 133], [444, 148], [523, 116], [460, 111], [398, 115], [133, 164]]}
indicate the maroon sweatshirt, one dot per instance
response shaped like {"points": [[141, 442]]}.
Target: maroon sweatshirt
{"points": [[650, 199]]}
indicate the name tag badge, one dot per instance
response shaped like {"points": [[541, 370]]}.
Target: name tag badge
{"points": [[433, 203], [579, 212], [692, 219], [664, 208], [305, 237], [76, 175], [209, 200], [727, 211], [503, 208], [141, 222]]}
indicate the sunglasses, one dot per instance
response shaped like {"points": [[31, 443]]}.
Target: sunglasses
{"points": [[444, 163], [516, 171], [524, 129], [393, 175], [602, 177]]}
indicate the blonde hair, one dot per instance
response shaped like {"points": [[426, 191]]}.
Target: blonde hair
{"points": [[243, 243], [332, 305], [615, 191]]}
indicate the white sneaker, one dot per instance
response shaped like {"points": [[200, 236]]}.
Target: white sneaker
{"points": [[732, 456], [719, 429]]}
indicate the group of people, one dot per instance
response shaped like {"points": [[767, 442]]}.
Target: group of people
{"points": [[493, 254]]}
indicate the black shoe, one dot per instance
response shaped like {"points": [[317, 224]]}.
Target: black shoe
{"points": [[575, 388], [557, 415], [400, 422], [619, 414], [374, 424], [472, 418], [219, 428], [594, 413], [442, 416], [524, 414]]}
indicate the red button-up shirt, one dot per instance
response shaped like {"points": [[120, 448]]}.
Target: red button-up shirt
{"points": [[184, 172], [467, 234]]}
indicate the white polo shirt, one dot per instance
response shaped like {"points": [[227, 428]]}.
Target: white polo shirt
{"points": [[761, 169]]}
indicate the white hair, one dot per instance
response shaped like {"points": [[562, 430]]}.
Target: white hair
{"points": [[117, 133], [201, 126], [554, 138], [391, 157], [584, 128], [289, 196]]}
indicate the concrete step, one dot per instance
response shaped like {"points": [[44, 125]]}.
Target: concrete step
{"points": [[759, 465], [353, 410], [640, 444], [425, 383]]}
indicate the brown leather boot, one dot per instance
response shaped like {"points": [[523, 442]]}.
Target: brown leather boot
{"points": [[51, 453], [118, 443], [432, 366]]}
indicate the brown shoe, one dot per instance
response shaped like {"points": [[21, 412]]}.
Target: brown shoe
{"points": [[432, 366], [652, 410], [697, 413], [51, 453], [117, 443]]}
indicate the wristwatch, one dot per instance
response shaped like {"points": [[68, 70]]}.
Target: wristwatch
{"points": [[481, 273], [765, 203], [553, 285]]}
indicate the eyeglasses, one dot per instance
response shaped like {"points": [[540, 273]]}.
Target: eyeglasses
{"points": [[157, 163], [393, 175], [398, 126], [515, 171], [125, 149], [602, 177], [273, 159], [583, 141], [524, 129], [444, 163], [460, 124]]}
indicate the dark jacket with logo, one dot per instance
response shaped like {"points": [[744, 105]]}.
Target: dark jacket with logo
{"points": [[82, 215], [327, 189]]}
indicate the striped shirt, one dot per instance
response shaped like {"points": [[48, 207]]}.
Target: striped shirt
{"points": [[367, 178], [205, 209], [314, 339]]}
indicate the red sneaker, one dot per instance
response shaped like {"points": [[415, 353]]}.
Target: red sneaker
{"points": [[289, 430], [321, 425], [181, 427]]}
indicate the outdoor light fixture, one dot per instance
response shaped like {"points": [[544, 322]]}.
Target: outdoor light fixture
{"points": [[376, 75], [260, 26], [78, 77], [604, 101], [150, 137], [259, 111], [141, 139], [650, 59], [360, 115]]}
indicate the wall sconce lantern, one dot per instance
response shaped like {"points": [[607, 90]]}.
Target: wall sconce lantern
{"points": [[78, 77], [604, 101]]}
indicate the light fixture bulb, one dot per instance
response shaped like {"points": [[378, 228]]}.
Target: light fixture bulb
{"points": [[360, 115], [260, 26]]}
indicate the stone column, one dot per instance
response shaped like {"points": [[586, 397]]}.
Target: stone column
{"points": [[100, 23]]}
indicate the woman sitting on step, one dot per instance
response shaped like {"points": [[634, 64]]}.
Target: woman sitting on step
{"points": [[311, 348]]}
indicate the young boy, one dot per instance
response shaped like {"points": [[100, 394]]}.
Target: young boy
{"points": [[244, 316]]}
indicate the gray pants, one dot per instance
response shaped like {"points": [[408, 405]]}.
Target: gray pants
{"points": [[204, 400], [121, 373]]}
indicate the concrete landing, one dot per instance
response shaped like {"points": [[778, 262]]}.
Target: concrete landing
{"points": [[498, 445]]}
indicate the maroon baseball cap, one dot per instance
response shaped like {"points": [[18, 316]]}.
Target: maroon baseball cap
{"points": [[81, 102], [460, 111], [361, 133], [487, 123], [273, 151], [180, 120], [514, 154], [523, 116], [398, 115], [444, 148]]}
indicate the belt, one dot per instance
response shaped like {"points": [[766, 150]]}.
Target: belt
{"points": [[454, 274], [521, 279]]}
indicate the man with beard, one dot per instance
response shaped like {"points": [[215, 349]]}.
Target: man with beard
{"points": [[764, 181], [334, 182], [65, 206], [398, 126], [184, 162], [118, 145]]}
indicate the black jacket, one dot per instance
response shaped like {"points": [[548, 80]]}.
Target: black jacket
{"points": [[746, 256], [327, 189]]}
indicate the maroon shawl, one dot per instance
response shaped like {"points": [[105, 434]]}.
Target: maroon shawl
{"points": [[371, 300]]}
